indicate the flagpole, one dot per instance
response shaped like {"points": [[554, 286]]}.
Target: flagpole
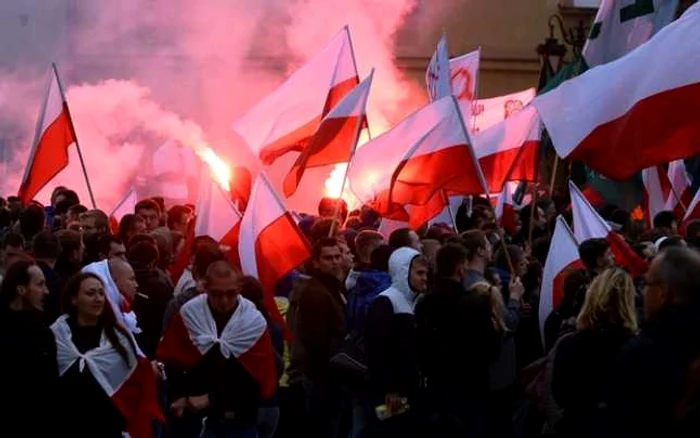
{"points": [[482, 180], [354, 63], [75, 136], [358, 129], [554, 174], [475, 98]]}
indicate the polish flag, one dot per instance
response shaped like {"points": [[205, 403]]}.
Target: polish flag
{"points": [[506, 215], [621, 26], [131, 386], [54, 134], [490, 112], [124, 206], [633, 113], [437, 77], [336, 137], [657, 189], [192, 333], [464, 71], [589, 225], [285, 120], [681, 188], [562, 258], [218, 218], [693, 211], [427, 152], [509, 151], [270, 244]]}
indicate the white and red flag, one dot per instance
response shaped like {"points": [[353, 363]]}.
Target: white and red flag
{"points": [[218, 218], [509, 150], [131, 386], [286, 118], [125, 206], [336, 137], [693, 211], [54, 135], [621, 26], [192, 333], [506, 216], [437, 77], [424, 154], [464, 71], [589, 225], [635, 112], [681, 185], [270, 243], [562, 258], [657, 189], [489, 112]]}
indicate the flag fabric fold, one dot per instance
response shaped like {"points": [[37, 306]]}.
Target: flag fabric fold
{"points": [[54, 135], [336, 137], [464, 73], [285, 119], [192, 334], [657, 188], [125, 206], [635, 112], [562, 258], [681, 188], [489, 112], [427, 152], [589, 225], [621, 26], [131, 386], [270, 244], [437, 77]]}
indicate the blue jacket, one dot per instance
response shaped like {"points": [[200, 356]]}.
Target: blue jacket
{"points": [[368, 285]]}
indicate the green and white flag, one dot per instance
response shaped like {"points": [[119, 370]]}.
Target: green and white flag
{"points": [[622, 25]]}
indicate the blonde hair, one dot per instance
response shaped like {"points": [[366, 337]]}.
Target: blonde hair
{"points": [[609, 300], [493, 294]]}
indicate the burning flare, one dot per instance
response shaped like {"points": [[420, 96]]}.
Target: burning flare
{"points": [[218, 166]]}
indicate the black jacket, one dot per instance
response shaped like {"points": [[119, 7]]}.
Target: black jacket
{"points": [[456, 339], [28, 375], [651, 376], [149, 306]]}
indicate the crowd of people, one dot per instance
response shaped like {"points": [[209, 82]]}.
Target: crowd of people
{"points": [[427, 333]]}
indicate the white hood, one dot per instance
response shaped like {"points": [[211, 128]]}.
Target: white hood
{"points": [[400, 293], [101, 269]]}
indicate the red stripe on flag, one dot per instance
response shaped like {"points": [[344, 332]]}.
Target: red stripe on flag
{"points": [[661, 128], [298, 139], [560, 278], [517, 164]]}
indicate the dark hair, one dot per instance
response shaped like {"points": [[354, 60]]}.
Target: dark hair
{"points": [[160, 202], [677, 269], [143, 255], [126, 224], [671, 241], [64, 206], [473, 241], [32, 220], [540, 248], [321, 228], [17, 275], [252, 289], [515, 254], [69, 195], [141, 237], [77, 209], [203, 258], [46, 245], [5, 217], [325, 242], [379, 259], [448, 258], [175, 214], [147, 204], [664, 219], [692, 229], [107, 320], [591, 250], [576, 284], [400, 238], [70, 240], [12, 239], [105, 241]]}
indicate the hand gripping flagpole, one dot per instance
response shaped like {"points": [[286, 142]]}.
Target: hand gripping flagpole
{"points": [[482, 180], [75, 136]]}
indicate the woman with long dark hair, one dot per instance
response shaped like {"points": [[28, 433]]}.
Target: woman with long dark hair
{"points": [[99, 367]]}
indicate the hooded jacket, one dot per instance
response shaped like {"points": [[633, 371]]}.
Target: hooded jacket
{"points": [[390, 332]]}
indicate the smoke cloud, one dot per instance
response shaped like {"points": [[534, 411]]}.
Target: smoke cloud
{"points": [[142, 73]]}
